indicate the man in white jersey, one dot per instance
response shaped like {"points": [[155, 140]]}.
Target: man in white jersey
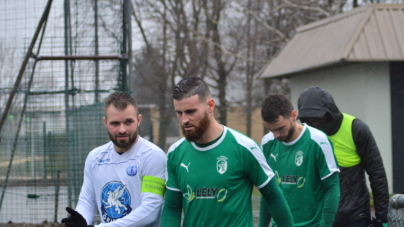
{"points": [[124, 179], [304, 164], [211, 172]]}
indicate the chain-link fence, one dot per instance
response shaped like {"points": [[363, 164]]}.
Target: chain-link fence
{"points": [[396, 211], [59, 60]]}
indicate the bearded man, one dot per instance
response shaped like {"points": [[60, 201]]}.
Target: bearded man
{"points": [[304, 164], [124, 179], [211, 172]]}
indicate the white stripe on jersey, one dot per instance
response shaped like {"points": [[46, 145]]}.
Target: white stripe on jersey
{"points": [[256, 151], [268, 137], [175, 145], [321, 139], [172, 148]]}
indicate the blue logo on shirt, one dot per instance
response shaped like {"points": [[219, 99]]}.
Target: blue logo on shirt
{"points": [[131, 170], [115, 201]]}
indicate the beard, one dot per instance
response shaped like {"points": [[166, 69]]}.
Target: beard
{"points": [[289, 135], [198, 131], [123, 143]]}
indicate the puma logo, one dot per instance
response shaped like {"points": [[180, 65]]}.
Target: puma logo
{"points": [[185, 166], [274, 156]]}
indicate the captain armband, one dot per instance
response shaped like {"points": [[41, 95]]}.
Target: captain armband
{"points": [[153, 185]]}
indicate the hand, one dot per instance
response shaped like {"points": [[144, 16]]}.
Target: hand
{"points": [[377, 223], [75, 219]]}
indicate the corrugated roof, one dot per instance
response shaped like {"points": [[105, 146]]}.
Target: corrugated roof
{"points": [[373, 32]]}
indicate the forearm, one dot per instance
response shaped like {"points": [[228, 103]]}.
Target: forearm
{"points": [[277, 207], [331, 200], [87, 205], [372, 162], [172, 210], [265, 215]]}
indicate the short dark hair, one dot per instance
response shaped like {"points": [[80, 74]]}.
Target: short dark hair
{"points": [[274, 106], [191, 86], [120, 100]]}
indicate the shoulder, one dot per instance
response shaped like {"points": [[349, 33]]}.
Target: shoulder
{"points": [[316, 135], [319, 138], [103, 149], [362, 135], [150, 149], [99, 154], [242, 139], [267, 138], [359, 126], [175, 146]]}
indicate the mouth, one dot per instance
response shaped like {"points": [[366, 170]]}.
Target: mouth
{"points": [[188, 127], [122, 137]]}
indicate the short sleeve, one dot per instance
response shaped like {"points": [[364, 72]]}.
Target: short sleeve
{"points": [[257, 169]]}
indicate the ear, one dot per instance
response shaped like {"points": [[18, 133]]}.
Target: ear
{"points": [[139, 119], [293, 115], [210, 104], [105, 121]]}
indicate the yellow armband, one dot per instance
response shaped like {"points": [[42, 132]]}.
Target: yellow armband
{"points": [[153, 185]]}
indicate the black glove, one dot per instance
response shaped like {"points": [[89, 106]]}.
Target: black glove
{"points": [[376, 223], [75, 219]]}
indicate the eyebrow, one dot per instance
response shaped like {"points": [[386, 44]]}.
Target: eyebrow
{"points": [[279, 128], [186, 111]]}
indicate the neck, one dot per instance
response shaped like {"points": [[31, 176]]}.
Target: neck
{"points": [[212, 133], [298, 130]]}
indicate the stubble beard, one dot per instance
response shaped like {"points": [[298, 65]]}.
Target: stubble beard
{"points": [[123, 143], [289, 135], [198, 131]]}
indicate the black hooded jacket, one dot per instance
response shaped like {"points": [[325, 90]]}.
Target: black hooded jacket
{"points": [[354, 202]]}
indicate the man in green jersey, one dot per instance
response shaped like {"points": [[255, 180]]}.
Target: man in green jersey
{"points": [[304, 164], [211, 172]]}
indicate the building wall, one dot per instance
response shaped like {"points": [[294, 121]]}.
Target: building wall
{"points": [[359, 89]]}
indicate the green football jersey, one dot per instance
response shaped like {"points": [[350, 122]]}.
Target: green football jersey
{"points": [[216, 180], [300, 166]]}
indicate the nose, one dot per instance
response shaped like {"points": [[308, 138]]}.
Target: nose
{"points": [[121, 129], [183, 119]]}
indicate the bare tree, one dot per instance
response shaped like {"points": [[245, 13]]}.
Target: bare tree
{"points": [[226, 42]]}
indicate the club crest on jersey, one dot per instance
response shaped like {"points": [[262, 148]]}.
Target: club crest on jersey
{"points": [[299, 158], [131, 171], [115, 201], [221, 164]]}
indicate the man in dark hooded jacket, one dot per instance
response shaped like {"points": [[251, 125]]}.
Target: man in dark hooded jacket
{"points": [[356, 152]]}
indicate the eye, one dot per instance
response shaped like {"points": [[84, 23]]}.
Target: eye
{"points": [[129, 122], [190, 112]]}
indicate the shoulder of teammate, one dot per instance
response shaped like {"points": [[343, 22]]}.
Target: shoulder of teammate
{"points": [[325, 147], [243, 140], [251, 148], [175, 146], [147, 147], [320, 138], [267, 139], [153, 159]]}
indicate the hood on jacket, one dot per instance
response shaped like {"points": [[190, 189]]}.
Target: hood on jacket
{"points": [[315, 102]]}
